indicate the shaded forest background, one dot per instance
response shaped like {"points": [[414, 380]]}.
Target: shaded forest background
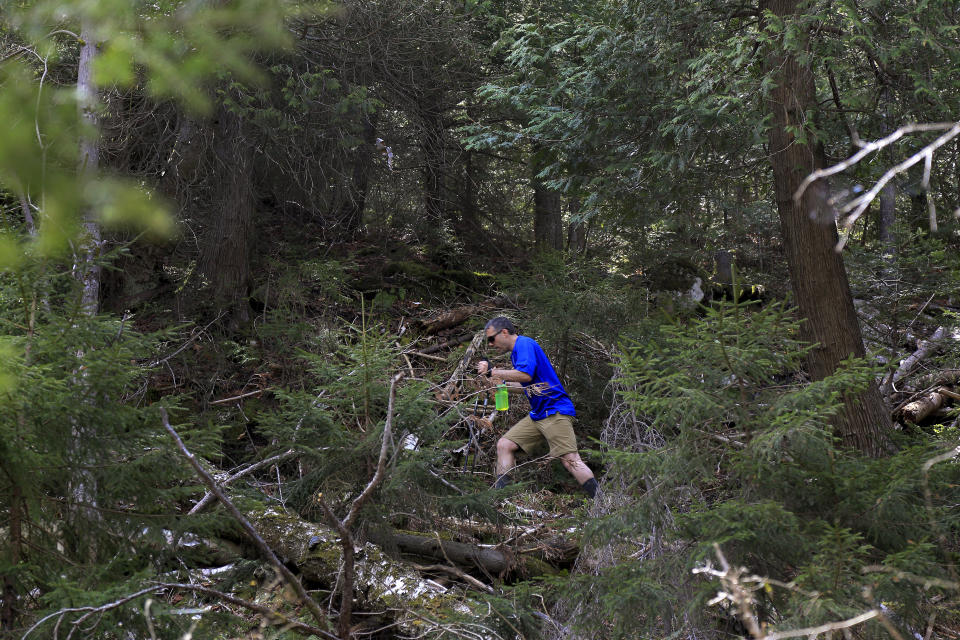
{"points": [[247, 250]]}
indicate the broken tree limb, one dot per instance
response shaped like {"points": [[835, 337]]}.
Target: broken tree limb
{"points": [[209, 497], [453, 342], [925, 348], [466, 577], [457, 316], [919, 409], [494, 560], [262, 546], [448, 391]]}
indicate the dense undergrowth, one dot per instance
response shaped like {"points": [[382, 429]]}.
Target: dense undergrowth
{"points": [[709, 437]]}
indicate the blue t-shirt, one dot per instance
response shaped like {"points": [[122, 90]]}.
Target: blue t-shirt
{"points": [[527, 356]]}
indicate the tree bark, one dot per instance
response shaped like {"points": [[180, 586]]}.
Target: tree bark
{"points": [[547, 214], [88, 271], [817, 273], [226, 257]]}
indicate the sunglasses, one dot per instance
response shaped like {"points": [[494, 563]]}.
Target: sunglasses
{"points": [[490, 339]]}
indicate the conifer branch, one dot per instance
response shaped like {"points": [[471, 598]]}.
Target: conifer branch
{"points": [[263, 547]]}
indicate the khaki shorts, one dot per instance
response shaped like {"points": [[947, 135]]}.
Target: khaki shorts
{"points": [[556, 430]]}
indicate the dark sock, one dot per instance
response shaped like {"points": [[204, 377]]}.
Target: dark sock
{"points": [[591, 487], [502, 481]]}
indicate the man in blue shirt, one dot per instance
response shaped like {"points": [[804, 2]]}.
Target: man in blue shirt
{"points": [[551, 410]]}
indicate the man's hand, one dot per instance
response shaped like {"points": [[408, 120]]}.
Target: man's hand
{"points": [[484, 367]]}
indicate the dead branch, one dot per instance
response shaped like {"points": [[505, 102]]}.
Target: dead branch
{"points": [[738, 590], [274, 616], [264, 548], [209, 497], [457, 573], [239, 397], [858, 205], [925, 348], [453, 342], [448, 389]]}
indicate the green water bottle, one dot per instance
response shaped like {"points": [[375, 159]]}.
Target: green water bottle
{"points": [[501, 399]]}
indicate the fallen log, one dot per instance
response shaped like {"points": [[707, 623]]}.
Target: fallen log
{"points": [[380, 582], [492, 560], [457, 316], [453, 342], [914, 412], [925, 349]]}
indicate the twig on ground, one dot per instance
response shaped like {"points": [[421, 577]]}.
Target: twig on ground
{"points": [[454, 572], [239, 397]]}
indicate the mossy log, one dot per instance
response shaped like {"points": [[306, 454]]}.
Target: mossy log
{"points": [[316, 552], [497, 562]]}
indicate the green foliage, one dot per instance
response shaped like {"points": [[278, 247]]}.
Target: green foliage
{"points": [[86, 466], [747, 461]]}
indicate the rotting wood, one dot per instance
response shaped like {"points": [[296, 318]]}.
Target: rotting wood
{"points": [[921, 408]]}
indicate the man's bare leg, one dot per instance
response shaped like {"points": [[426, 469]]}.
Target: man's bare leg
{"points": [[506, 460], [579, 470]]}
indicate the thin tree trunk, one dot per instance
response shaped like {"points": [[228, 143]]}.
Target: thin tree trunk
{"points": [[817, 273], [87, 269], [577, 229], [83, 484]]}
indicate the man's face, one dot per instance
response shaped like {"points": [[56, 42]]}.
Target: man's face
{"points": [[497, 339]]}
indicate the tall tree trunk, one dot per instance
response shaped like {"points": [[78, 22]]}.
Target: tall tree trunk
{"points": [[83, 484], [434, 171], [226, 257], [351, 210], [817, 273], [547, 214]]}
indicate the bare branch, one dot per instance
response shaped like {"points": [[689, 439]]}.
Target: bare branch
{"points": [[266, 611], [264, 548], [813, 632], [209, 497], [855, 207]]}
